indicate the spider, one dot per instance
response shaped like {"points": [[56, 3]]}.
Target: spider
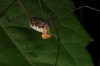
{"points": [[41, 25]]}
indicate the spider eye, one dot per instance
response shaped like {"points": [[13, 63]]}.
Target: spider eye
{"points": [[46, 35]]}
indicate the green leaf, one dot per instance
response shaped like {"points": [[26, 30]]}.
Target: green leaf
{"points": [[10, 53], [20, 45]]}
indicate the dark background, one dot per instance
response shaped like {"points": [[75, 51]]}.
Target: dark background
{"points": [[91, 20]]}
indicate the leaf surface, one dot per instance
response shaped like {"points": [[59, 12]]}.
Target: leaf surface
{"points": [[20, 45]]}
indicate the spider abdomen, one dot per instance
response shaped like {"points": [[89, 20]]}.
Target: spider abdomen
{"points": [[37, 24]]}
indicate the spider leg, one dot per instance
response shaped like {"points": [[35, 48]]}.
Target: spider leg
{"points": [[24, 9], [1, 14], [59, 43], [31, 8], [77, 9], [58, 37], [41, 9]]}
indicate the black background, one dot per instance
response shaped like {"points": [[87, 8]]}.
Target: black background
{"points": [[91, 22]]}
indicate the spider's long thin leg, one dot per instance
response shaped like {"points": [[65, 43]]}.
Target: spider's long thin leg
{"points": [[77, 9], [53, 8], [24, 9], [59, 8], [31, 8], [41, 8], [7, 9], [59, 43], [56, 11]]}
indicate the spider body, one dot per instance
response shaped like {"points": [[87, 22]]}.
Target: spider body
{"points": [[40, 25]]}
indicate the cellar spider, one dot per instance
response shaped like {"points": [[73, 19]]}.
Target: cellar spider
{"points": [[41, 25]]}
